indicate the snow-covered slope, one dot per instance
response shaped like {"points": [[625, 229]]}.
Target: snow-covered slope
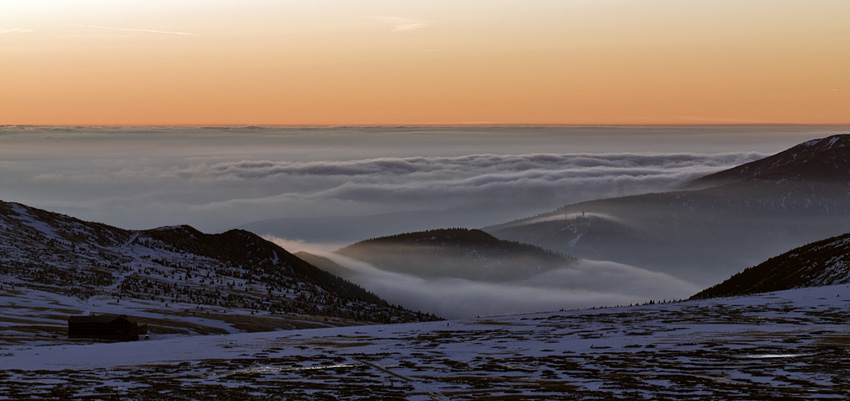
{"points": [[53, 266], [821, 263], [783, 345]]}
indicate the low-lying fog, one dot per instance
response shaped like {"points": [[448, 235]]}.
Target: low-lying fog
{"points": [[220, 178], [586, 284], [321, 188]]}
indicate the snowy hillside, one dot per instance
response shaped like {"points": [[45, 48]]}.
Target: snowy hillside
{"points": [[784, 345], [820, 263], [53, 266]]}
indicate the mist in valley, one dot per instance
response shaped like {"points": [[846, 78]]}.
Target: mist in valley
{"points": [[321, 189], [585, 284]]}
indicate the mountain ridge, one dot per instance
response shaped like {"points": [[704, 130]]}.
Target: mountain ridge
{"points": [[176, 271], [709, 233], [820, 263], [455, 252], [825, 159]]}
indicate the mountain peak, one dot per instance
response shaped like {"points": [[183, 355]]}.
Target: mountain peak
{"points": [[841, 140], [822, 160]]}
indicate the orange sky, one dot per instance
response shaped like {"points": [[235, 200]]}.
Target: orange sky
{"points": [[158, 62]]}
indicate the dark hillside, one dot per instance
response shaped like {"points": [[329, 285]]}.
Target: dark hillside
{"points": [[461, 253], [821, 263], [818, 160], [260, 258], [178, 270]]}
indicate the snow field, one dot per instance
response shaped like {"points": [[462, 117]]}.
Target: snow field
{"points": [[790, 344]]}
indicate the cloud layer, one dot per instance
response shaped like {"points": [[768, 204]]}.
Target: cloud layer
{"points": [[400, 24], [589, 284], [14, 30], [466, 180], [506, 185], [218, 178], [136, 30]]}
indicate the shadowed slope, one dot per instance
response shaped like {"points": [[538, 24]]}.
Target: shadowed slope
{"points": [[176, 270], [821, 263], [461, 253], [765, 207]]}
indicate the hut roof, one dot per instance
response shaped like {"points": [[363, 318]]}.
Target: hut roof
{"points": [[96, 319]]}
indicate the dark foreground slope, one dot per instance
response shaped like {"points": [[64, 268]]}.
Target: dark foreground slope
{"points": [[755, 211], [821, 263], [261, 260], [175, 270], [461, 253]]}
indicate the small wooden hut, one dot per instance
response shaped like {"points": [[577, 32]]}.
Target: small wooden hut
{"points": [[105, 327]]}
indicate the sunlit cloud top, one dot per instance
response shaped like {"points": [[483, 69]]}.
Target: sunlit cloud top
{"points": [[401, 23], [135, 30], [14, 30]]}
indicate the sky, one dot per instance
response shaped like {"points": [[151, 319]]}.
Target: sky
{"points": [[390, 62]]}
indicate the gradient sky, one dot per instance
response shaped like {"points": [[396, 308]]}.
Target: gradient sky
{"points": [[210, 62]]}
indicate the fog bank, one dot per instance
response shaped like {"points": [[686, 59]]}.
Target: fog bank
{"points": [[587, 284], [217, 178]]}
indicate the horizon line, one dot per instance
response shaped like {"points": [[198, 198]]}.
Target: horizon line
{"points": [[414, 125]]}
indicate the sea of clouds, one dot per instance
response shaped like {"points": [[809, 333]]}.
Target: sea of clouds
{"points": [[219, 178], [321, 188]]}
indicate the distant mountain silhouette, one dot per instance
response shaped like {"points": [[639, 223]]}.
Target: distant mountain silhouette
{"points": [[821, 263], [740, 216], [458, 252]]}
